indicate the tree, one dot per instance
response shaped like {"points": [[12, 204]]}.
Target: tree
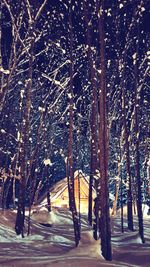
{"points": [[70, 171], [128, 164], [105, 228], [94, 111], [137, 148], [24, 150]]}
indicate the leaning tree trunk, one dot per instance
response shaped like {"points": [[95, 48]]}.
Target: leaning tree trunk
{"points": [[70, 145], [103, 138], [137, 152]]}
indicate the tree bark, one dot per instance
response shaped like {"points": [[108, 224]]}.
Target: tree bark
{"points": [[48, 188], [137, 150], [70, 144], [94, 123], [25, 146], [121, 190], [128, 168], [103, 138], [114, 209]]}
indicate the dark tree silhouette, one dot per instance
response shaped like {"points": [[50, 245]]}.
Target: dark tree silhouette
{"points": [[105, 228]]}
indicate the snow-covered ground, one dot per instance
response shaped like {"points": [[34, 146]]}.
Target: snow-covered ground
{"points": [[54, 246]]}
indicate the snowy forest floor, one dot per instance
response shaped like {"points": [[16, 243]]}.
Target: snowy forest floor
{"points": [[54, 246]]}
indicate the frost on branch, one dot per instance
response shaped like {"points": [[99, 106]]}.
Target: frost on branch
{"points": [[47, 162], [2, 70]]}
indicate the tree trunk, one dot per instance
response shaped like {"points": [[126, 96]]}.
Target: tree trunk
{"points": [[70, 145], [79, 206], [68, 183], [137, 153], [121, 199], [103, 138], [148, 183], [114, 209], [128, 168], [48, 189], [94, 123], [25, 147], [96, 219], [1, 74], [36, 194], [121, 189]]}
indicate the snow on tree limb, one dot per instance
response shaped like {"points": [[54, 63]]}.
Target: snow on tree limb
{"points": [[40, 10]]}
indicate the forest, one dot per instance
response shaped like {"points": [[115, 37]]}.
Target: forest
{"points": [[74, 96]]}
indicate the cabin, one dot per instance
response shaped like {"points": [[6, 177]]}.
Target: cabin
{"points": [[59, 192]]}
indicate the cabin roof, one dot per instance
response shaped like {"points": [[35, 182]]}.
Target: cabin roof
{"points": [[57, 189]]}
